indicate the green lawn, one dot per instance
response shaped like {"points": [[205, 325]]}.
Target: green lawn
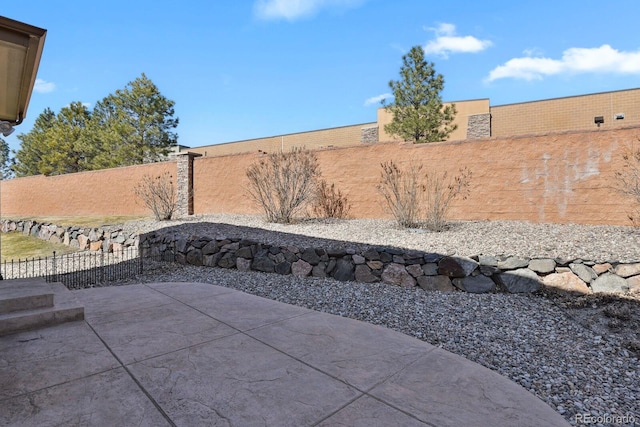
{"points": [[17, 246]]}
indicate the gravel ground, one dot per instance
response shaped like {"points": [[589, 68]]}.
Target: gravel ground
{"points": [[580, 355]]}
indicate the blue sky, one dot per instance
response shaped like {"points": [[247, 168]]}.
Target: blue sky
{"points": [[253, 68]]}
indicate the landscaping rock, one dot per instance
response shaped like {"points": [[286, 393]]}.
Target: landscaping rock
{"points": [[430, 269], [602, 268], [513, 263], [521, 280], [228, 260], [566, 282], [542, 265], [309, 255], [263, 263], [627, 270], [319, 270], [375, 265], [457, 266], [344, 270], [488, 260], [363, 274], [396, 274], [283, 267], [415, 270], [358, 259], [194, 257], [243, 264], [475, 284], [610, 283], [435, 283], [301, 268], [584, 272], [371, 254]]}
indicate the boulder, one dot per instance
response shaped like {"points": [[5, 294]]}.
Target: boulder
{"points": [[243, 264], [228, 260], [436, 283], [602, 268], [566, 282], [415, 270], [475, 284], [194, 257], [456, 266], [430, 269], [283, 267], [344, 270], [488, 260], [375, 265], [634, 283], [542, 265], [363, 274], [83, 242], [371, 254], [627, 270], [513, 263], [309, 255], [264, 264], [610, 283], [521, 280], [244, 252], [584, 272], [358, 259], [396, 274], [301, 268], [319, 270]]}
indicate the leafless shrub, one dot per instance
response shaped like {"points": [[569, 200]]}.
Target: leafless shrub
{"points": [[402, 191], [283, 183], [440, 190], [330, 202], [628, 180], [416, 198], [158, 193]]}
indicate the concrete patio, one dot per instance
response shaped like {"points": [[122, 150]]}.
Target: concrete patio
{"points": [[193, 354]]}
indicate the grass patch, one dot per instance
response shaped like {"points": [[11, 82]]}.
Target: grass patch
{"points": [[83, 221], [17, 246]]}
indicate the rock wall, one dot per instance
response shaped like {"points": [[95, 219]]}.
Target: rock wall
{"points": [[83, 238], [406, 268]]}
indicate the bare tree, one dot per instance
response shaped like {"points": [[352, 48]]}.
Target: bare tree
{"points": [[283, 183], [158, 193]]}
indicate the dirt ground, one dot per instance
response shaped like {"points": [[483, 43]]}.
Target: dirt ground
{"points": [[605, 315]]}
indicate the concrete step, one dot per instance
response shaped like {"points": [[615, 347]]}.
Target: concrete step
{"points": [[24, 294], [65, 308]]}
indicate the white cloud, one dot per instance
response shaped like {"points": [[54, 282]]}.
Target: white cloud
{"points": [[296, 9], [447, 42], [42, 86], [603, 59], [376, 99]]}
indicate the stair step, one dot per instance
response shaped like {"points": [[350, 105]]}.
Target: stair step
{"points": [[66, 308], [24, 294]]}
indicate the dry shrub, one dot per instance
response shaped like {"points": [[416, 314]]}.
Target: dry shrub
{"points": [[415, 199], [628, 180], [402, 190], [440, 190], [330, 202], [283, 183], [158, 193]]}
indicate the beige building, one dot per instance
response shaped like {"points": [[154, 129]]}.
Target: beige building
{"points": [[476, 119]]}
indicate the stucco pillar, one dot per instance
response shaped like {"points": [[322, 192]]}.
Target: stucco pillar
{"points": [[184, 183]]}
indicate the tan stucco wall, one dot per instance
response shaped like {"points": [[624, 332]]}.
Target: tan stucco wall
{"points": [[562, 114], [323, 138], [464, 108], [103, 192], [559, 178]]}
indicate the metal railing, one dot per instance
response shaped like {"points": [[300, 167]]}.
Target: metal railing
{"points": [[80, 269]]}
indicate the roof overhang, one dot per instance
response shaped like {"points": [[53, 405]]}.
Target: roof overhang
{"points": [[20, 52]]}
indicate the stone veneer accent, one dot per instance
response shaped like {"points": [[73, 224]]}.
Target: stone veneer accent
{"points": [[479, 126], [369, 134], [184, 183]]}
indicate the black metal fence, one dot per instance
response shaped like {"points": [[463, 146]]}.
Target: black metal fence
{"points": [[80, 269]]}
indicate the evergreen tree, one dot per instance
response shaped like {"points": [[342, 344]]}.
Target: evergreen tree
{"points": [[134, 125], [5, 161], [417, 109], [33, 145]]}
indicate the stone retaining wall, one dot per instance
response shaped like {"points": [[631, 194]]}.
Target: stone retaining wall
{"points": [[406, 268], [83, 238]]}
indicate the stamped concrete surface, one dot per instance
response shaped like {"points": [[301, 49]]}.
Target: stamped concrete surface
{"points": [[193, 354]]}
